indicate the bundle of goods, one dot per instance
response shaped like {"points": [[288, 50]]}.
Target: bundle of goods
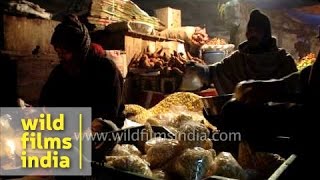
{"points": [[104, 12], [306, 61], [194, 37], [172, 112], [217, 44], [216, 41], [200, 36], [183, 33], [100, 23], [131, 26], [190, 158], [164, 158], [160, 61], [28, 8]]}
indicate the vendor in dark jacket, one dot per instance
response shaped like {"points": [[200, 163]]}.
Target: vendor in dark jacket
{"points": [[84, 78], [294, 114], [257, 58]]}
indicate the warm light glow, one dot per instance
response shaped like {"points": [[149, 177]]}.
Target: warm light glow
{"points": [[12, 146]]}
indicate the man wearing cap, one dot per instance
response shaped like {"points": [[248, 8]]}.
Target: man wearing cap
{"points": [[84, 78], [257, 58], [295, 114]]}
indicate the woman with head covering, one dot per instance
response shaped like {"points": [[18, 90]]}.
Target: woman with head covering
{"points": [[84, 77]]}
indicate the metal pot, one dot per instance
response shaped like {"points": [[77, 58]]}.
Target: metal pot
{"points": [[211, 56], [191, 80]]}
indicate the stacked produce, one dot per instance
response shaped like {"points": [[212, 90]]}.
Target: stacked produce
{"points": [[306, 61], [194, 37], [216, 41], [103, 12], [200, 36], [160, 61], [217, 44]]}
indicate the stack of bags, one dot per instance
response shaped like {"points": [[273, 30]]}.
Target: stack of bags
{"points": [[105, 12]]}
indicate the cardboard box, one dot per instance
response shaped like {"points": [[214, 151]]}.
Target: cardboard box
{"points": [[170, 17]]}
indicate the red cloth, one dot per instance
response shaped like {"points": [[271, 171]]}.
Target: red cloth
{"points": [[98, 49]]}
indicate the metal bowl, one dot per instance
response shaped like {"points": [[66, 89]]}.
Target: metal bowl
{"points": [[211, 57], [213, 104]]}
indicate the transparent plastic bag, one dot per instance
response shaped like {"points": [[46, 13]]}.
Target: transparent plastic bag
{"points": [[262, 162], [150, 143], [125, 150], [207, 145], [5, 131], [130, 163], [5, 125], [193, 134], [162, 151], [179, 115], [227, 166], [193, 164], [159, 174]]}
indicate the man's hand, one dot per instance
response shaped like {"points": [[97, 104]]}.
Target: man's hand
{"points": [[22, 103], [253, 92], [201, 70]]}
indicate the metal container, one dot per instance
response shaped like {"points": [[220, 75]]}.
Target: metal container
{"points": [[211, 57]]}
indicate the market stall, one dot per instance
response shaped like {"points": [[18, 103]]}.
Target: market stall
{"points": [[170, 104]]}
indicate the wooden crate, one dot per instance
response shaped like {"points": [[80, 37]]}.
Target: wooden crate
{"points": [[170, 17]]}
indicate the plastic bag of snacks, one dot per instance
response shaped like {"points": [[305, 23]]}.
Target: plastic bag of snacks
{"points": [[125, 150], [193, 163], [159, 174], [130, 163], [262, 162], [227, 166], [162, 151], [192, 134]]}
